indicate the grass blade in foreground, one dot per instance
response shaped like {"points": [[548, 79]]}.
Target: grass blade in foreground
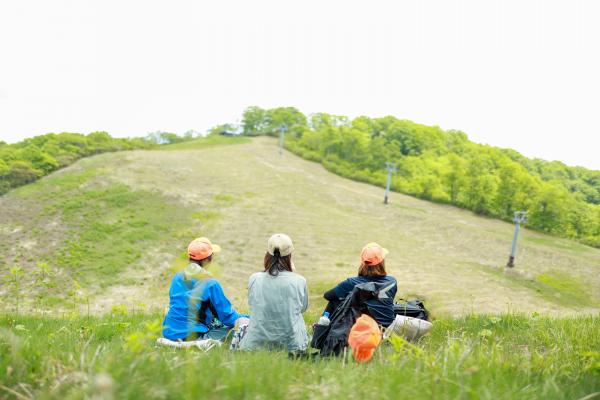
{"points": [[488, 357]]}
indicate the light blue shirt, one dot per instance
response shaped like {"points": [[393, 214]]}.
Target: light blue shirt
{"points": [[276, 307]]}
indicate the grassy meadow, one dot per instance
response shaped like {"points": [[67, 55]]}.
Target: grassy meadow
{"points": [[475, 357], [87, 253]]}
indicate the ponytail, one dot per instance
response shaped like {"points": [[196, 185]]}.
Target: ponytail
{"points": [[276, 263]]}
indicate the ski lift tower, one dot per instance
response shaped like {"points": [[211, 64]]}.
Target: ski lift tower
{"points": [[391, 168], [520, 218], [282, 130]]}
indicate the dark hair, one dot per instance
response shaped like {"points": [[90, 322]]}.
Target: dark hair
{"points": [[276, 263], [203, 261], [372, 269]]}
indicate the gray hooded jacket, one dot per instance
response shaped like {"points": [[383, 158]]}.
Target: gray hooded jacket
{"points": [[276, 307]]}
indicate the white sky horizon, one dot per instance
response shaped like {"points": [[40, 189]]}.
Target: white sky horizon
{"points": [[512, 74]]}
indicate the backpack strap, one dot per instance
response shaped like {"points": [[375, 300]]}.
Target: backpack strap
{"points": [[383, 292]]}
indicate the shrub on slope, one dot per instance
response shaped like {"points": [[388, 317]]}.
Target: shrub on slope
{"points": [[443, 166], [30, 159]]}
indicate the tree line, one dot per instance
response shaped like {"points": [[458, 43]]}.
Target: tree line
{"points": [[442, 166], [30, 159], [433, 164]]}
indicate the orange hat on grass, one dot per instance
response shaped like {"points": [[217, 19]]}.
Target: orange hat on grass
{"points": [[364, 338], [373, 254], [201, 248]]}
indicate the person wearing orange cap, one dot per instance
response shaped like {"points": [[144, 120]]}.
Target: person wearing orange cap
{"points": [[372, 269], [364, 337], [198, 307]]}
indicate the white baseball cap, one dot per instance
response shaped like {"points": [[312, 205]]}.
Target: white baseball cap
{"points": [[281, 242]]}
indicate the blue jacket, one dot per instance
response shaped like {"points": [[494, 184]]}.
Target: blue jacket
{"points": [[193, 305]]}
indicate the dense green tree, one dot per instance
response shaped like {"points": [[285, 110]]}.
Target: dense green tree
{"points": [[549, 209], [454, 177], [22, 172], [39, 159], [293, 120], [4, 180], [319, 120], [100, 138], [515, 186], [3, 168], [254, 121], [481, 188], [28, 160], [444, 166]]}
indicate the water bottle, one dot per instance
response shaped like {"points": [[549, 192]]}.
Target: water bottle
{"points": [[324, 320]]}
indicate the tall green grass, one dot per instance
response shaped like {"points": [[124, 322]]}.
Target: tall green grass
{"points": [[475, 357]]}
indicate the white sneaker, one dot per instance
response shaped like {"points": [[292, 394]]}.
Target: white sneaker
{"points": [[202, 344], [408, 327], [207, 344]]}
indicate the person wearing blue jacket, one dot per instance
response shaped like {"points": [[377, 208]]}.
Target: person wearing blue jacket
{"points": [[198, 307]]}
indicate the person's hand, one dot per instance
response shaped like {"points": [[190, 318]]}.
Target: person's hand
{"points": [[243, 319]]}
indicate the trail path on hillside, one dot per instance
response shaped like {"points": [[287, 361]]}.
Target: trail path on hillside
{"points": [[448, 256]]}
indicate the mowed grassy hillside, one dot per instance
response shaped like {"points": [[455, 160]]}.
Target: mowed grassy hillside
{"points": [[110, 230]]}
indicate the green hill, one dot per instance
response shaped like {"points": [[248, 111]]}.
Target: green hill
{"points": [[87, 253], [109, 230], [442, 166]]}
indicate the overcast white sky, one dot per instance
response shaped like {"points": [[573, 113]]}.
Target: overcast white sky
{"points": [[520, 74]]}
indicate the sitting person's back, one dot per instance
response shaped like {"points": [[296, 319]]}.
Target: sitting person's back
{"points": [[372, 269], [198, 308], [277, 298]]}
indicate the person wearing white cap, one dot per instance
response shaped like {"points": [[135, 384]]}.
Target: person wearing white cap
{"points": [[277, 297]]}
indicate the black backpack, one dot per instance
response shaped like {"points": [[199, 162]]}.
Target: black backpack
{"points": [[412, 308], [333, 338]]}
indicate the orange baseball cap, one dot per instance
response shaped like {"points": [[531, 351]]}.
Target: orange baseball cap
{"points": [[201, 248], [373, 254], [364, 338]]}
